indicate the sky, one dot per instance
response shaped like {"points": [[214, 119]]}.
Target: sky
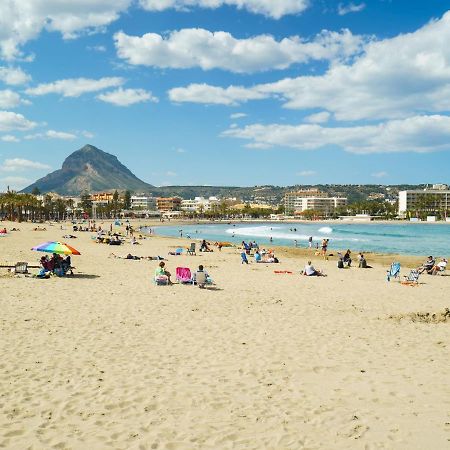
{"points": [[228, 92]]}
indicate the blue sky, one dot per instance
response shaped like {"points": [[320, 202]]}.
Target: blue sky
{"points": [[228, 92]]}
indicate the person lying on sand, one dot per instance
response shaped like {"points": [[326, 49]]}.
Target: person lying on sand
{"points": [[311, 271], [134, 257]]}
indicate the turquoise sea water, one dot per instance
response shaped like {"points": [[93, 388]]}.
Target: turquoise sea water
{"points": [[406, 238]]}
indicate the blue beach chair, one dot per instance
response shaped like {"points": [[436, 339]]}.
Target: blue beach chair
{"points": [[394, 271]]}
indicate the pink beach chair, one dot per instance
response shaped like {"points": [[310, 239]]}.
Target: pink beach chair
{"points": [[183, 275]]}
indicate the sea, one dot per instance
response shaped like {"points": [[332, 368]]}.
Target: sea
{"points": [[397, 238]]}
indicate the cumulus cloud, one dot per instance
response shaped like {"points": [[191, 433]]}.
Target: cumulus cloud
{"points": [[9, 138], [204, 93], [394, 78], [15, 182], [13, 75], [19, 164], [23, 20], [10, 121], [197, 47], [415, 134], [320, 117], [127, 97], [74, 87], [350, 8], [271, 8], [10, 99], [51, 134], [306, 173]]}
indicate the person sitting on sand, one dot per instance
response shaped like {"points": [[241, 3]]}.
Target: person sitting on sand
{"points": [[347, 259], [204, 247], [161, 270], [427, 266], [201, 275], [362, 263], [311, 271], [439, 267], [258, 257]]}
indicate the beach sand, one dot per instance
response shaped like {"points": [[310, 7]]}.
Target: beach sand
{"points": [[107, 360]]}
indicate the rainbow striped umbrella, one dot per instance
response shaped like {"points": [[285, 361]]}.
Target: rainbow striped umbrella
{"points": [[56, 247]]}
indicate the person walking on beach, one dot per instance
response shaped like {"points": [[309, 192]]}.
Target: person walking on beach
{"points": [[324, 248], [310, 241]]}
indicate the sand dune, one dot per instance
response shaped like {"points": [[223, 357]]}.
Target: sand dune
{"points": [[108, 360]]}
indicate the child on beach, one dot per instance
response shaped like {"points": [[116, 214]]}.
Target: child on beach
{"points": [[161, 271]]}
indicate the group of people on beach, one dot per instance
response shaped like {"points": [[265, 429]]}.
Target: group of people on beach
{"points": [[56, 265], [431, 267]]}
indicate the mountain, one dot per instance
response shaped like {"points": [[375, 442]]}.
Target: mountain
{"points": [[90, 169]]}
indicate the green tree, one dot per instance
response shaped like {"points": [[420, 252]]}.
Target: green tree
{"points": [[127, 200], [86, 202], [36, 191]]}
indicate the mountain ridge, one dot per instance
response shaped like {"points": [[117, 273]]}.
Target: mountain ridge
{"points": [[89, 169]]}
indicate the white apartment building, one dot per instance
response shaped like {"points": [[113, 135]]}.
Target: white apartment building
{"points": [[143, 202], [198, 204], [428, 200], [297, 202]]}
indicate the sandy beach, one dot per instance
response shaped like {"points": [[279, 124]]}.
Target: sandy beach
{"points": [[107, 360]]}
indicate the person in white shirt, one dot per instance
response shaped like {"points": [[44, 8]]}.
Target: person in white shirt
{"points": [[311, 271], [439, 267]]}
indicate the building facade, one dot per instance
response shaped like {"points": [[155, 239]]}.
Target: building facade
{"points": [[143, 202], [436, 199], [300, 201], [199, 204], [165, 204], [103, 197]]}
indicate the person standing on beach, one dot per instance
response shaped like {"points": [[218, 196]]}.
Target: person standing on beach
{"points": [[324, 248], [310, 241]]}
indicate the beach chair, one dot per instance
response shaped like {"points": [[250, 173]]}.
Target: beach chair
{"points": [[244, 258], [183, 275], [191, 249], [201, 279], [394, 271], [161, 280], [412, 279], [21, 267]]}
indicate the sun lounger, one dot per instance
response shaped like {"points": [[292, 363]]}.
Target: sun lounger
{"points": [[412, 279], [191, 249]]}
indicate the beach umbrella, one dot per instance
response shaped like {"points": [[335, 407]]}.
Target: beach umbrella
{"points": [[56, 247]]}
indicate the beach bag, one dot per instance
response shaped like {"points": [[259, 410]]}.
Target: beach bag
{"points": [[340, 264]]}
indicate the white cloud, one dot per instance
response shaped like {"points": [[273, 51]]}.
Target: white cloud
{"points": [[19, 164], [9, 99], [23, 20], [97, 48], [74, 87], [307, 173], [320, 117], [350, 8], [171, 174], [9, 138], [15, 182], [197, 47], [204, 93], [87, 134], [416, 134], [381, 174], [127, 97], [51, 134], [271, 8], [395, 78], [13, 76], [10, 121], [237, 116], [180, 150]]}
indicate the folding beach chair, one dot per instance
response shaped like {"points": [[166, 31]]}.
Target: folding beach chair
{"points": [[394, 271], [183, 275], [162, 280], [21, 267], [201, 279], [412, 279], [191, 249]]}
